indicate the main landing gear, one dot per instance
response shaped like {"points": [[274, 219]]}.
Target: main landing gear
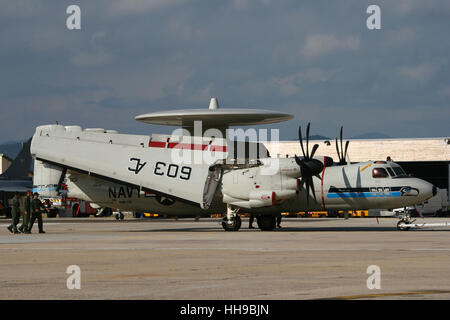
{"points": [[232, 221], [266, 223]]}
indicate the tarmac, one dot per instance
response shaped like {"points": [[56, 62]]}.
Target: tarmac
{"points": [[187, 259]]}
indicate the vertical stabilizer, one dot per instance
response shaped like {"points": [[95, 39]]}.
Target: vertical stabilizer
{"points": [[20, 167]]}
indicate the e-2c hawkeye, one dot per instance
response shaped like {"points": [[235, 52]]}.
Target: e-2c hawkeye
{"points": [[204, 171]]}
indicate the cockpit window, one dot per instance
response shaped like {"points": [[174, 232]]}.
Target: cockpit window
{"points": [[379, 173], [391, 172], [399, 171]]}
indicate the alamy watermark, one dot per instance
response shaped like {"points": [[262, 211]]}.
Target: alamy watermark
{"points": [[74, 279], [374, 280], [73, 21], [373, 22]]}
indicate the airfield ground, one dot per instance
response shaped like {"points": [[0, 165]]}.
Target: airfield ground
{"points": [[187, 259]]}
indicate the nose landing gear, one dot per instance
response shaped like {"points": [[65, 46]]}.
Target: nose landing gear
{"points": [[405, 223], [232, 221], [404, 220]]}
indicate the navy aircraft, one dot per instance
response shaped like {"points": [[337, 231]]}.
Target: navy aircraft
{"points": [[197, 171]]}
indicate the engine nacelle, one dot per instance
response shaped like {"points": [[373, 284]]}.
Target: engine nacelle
{"points": [[252, 188], [261, 198]]}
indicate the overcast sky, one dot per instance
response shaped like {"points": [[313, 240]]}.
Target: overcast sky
{"points": [[314, 59]]}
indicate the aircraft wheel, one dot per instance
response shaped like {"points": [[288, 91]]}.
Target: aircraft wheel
{"points": [[400, 227], [266, 223], [235, 224]]}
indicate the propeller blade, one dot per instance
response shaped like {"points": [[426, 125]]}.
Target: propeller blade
{"points": [[312, 187], [314, 150], [301, 140], [342, 148], [307, 194], [337, 150], [346, 148], [307, 140]]}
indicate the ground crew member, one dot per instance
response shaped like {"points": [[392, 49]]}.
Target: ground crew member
{"points": [[15, 214], [36, 213], [26, 215], [250, 221], [279, 220]]}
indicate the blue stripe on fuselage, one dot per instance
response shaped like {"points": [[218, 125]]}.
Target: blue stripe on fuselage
{"points": [[362, 194]]}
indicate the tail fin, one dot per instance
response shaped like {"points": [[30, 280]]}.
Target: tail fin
{"points": [[20, 167]]}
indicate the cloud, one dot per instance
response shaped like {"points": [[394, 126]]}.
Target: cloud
{"points": [[419, 73], [91, 59], [117, 8], [325, 44], [317, 61]]}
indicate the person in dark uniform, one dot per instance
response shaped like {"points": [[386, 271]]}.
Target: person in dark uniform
{"points": [[26, 215], [279, 220], [15, 214], [36, 213], [250, 221]]}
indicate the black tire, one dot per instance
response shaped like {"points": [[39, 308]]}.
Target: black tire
{"points": [[266, 223], [53, 213], [234, 226], [121, 216], [107, 212]]}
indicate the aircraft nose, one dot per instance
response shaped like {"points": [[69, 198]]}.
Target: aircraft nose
{"points": [[427, 190]]}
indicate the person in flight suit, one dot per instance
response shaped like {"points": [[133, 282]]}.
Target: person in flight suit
{"points": [[250, 221], [15, 214], [36, 213], [26, 215], [279, 220]]}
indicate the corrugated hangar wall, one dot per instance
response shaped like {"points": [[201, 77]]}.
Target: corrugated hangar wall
{"points": [[425, 158], [426, 149]]}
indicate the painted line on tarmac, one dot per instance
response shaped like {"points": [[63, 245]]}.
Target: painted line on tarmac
{"points": [[203, 249], [381, 295]]}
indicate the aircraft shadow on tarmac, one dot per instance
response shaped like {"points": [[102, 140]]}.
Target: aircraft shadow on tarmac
{"points": [[284, 229]]}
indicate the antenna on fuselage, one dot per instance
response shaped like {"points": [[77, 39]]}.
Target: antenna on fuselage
{"points": [[213, 104]]}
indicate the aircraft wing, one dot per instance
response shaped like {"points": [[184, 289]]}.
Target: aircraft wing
{"points": [[125, 159]]}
